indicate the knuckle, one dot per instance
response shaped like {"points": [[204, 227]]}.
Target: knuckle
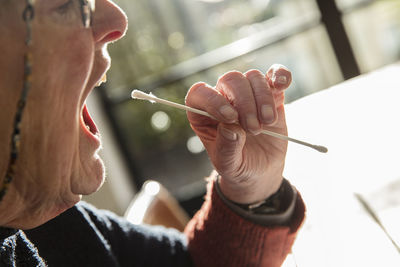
{"points": [[279, 70], [254, 74], [194, 89], [197, 86], [231, 77], [279, 67], [279, 77]]}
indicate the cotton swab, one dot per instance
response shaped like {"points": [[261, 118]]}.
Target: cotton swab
{"points": [[137, 94]]}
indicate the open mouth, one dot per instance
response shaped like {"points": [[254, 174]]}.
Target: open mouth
{"points": [[89, 123]]}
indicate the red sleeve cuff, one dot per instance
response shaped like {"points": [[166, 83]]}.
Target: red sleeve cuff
{"points": [[219, 237]]}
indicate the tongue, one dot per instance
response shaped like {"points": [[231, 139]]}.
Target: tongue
{"points": [[89, 121]]}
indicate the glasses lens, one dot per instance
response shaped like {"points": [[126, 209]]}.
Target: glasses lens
{"points": [[92, 5], [87, 8]]}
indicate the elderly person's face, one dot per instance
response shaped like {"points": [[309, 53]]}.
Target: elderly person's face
{"points": [[58, 160]]}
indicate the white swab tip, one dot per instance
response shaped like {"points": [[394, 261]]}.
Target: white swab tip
{"points": [[137, 94]]}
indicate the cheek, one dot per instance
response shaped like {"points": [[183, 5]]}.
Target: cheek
{"points": [[64, 69], [61, 69], [61, 66], [11, 71]]}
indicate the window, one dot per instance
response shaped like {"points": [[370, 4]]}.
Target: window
{"points": [[173, 43], [374, 32]]}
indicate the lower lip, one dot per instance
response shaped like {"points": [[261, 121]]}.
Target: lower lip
{"points": [[93, 132]]}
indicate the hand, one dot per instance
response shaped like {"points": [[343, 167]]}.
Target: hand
{"points": [[250, 163]]}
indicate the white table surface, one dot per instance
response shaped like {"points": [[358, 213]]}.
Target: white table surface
{"points": [[359, 122]]}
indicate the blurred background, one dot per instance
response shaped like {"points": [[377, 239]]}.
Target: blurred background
{"points": [[171, 44]]}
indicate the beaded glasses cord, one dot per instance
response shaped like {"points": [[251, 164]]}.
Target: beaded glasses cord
{"points": [[27, 16]]}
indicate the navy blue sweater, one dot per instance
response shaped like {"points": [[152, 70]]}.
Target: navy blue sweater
{"points": [[85, 236]]}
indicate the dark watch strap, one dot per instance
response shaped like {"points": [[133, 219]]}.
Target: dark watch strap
{"points": [[267, 217], [275, 204]]}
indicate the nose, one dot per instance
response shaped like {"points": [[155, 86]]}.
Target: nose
{"points": [[109, 22]]}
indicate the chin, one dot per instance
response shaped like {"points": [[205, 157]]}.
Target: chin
{"points": [[90, 177], [99, 176]]}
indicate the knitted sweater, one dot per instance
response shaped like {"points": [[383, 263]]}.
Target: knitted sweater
{"points": [[86, 236]]}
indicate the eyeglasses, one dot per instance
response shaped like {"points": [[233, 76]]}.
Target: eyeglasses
{"points": [[87, 9]]}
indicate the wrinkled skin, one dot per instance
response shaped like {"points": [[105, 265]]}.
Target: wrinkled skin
{"points": [[250, 163], [58, 160]]}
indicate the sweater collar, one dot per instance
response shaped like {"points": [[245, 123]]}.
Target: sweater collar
{"points": [[6, 232]]}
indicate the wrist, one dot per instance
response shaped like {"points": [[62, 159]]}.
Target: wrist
{"points": [[249, 192], [277, 203], [276, 210]]}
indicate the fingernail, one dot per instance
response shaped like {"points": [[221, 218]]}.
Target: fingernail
{"points": [[228, 134], [281, 79], [267, 113], [228, 112], [252, 123]]}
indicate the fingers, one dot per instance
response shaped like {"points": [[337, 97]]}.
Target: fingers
{"points": [[279, 77], [252, 99], [205, 97], [263, 97], [237, 88], [229, 144]]}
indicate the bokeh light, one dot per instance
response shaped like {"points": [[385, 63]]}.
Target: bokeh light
{"points": [[160, 121], [194, 145]]}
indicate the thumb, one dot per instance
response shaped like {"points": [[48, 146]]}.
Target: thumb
{"points": [[229, 146]]}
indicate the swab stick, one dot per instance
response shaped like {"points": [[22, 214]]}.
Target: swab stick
{"points": [[137, 94]]}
